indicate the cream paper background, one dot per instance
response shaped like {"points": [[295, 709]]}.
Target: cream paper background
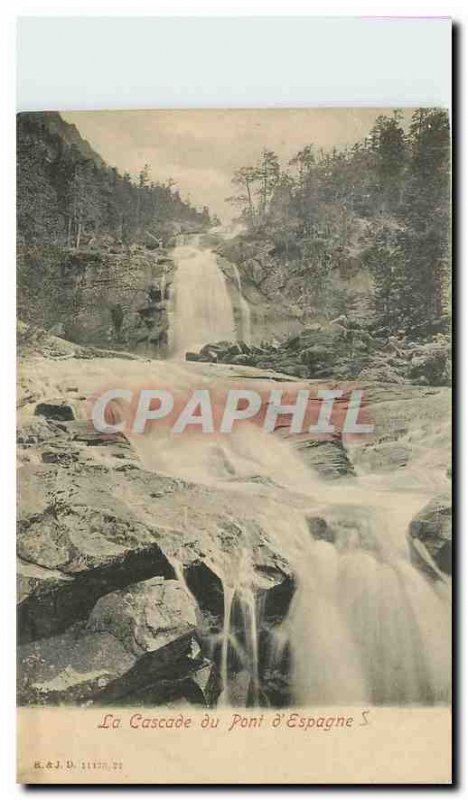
{"points": [[397, 746], [400, 745]]}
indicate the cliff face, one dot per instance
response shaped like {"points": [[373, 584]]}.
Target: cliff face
{"points": [[121, 301], [275, 281], [114, 297]]}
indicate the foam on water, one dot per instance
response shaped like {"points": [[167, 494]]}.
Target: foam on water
{"points": [[364, 624]]}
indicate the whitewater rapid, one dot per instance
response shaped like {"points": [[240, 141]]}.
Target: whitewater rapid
{"points": [[365, 625]]}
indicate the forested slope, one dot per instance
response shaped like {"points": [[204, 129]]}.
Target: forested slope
{"points": [[90, 240], [361, 234]]}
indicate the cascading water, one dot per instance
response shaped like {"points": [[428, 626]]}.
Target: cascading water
{"points": [[364, 624], [244, 308], [201, 308], [240, 636]]}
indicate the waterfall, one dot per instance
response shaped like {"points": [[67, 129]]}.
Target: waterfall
{"points": [[245, 332], [364, 624], [201, 310], [240, 636]]}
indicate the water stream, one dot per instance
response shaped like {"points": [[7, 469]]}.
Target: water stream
{"points": [[364, 624], [201, 310], [244, 308]]}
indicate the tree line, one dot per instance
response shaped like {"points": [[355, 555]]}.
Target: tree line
{"points": [[390, 192], [67, 195]]}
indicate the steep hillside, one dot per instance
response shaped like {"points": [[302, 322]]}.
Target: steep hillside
{"points": [[68, 195], [91, 242], [379, 210], [359, 236]]}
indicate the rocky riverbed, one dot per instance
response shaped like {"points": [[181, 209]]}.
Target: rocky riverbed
{"points": [[341, 349], [123, 566]]}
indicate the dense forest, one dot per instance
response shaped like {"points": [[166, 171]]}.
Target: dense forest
{"points": [[357, 236], [84, 231], [382, 205], [67, 195]]}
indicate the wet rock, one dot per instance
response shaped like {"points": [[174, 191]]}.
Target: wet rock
{"points": [[207, 588], [273, 586], [276, 601], [410, 423], [58, 456], [351, 526], [433, 528], [37, 430], [327, 457], [276, 687], [55, 409], [135, 639], [82, 552], [320, 529], [422, 559], [70, 668], [239, 688], [387, 456], [243, 359]]}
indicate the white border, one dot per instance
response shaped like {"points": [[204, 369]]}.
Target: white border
{"points": [[455, 8], [67, 63]]}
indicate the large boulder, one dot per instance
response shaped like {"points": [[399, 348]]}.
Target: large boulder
{"points": [[80, 553], [430, 363], [76, 542], [330, 459], [411, 423], [145, 616], [103, 587], [143, 637], [432, 527], [327, 457], [55, 409]]}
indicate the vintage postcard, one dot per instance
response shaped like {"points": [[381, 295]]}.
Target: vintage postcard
{"points": [[234, 517]]}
